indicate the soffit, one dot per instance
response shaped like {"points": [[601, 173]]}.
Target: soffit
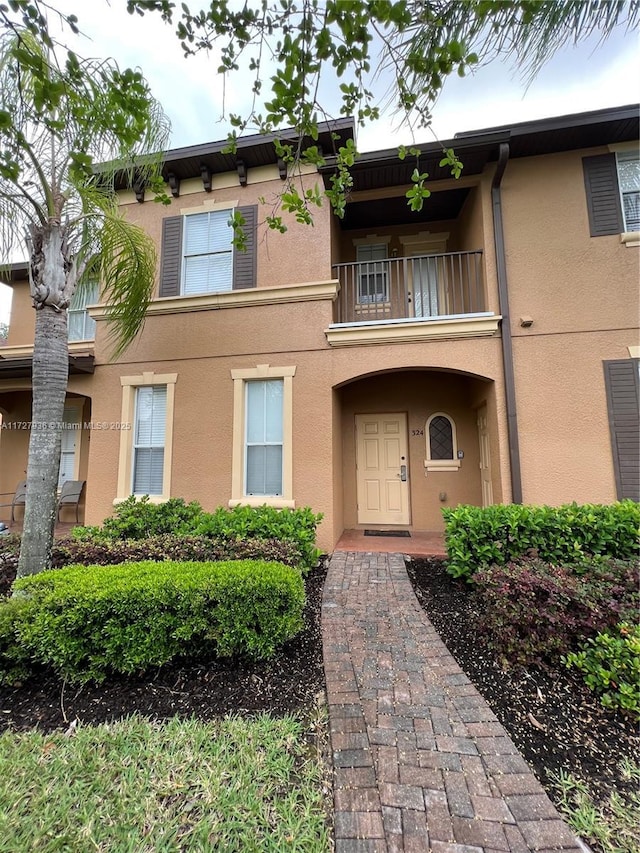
{"points": [[20, 368], [395, 211]]}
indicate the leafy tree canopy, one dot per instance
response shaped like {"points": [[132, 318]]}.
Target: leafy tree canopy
{"points": [[311, 60]]}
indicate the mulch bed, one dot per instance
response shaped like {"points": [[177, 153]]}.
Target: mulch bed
{"points": [[288, 684], [553, 719]]}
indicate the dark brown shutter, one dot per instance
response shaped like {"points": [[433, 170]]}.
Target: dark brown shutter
{"points": [[623, 401], [244, 263], [603, 195], [171, 263]]}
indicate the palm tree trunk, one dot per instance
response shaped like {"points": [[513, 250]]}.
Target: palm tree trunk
{"points": [[49, 384]]}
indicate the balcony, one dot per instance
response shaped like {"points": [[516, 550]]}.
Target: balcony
{"points": [[411, 298], [424, 286]]}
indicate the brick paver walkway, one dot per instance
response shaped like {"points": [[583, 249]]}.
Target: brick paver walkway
{"points": [[420, 761]]}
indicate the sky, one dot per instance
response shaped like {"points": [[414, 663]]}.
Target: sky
{"points": [[591, 76]]}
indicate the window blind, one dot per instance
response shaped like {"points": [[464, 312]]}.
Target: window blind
{"points": [[208, 253], [149, 438], [264, 436]]}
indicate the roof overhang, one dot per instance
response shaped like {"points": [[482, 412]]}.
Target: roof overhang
{"points": [[13, 273], [196, 161], [21, 368], [476, 148]]}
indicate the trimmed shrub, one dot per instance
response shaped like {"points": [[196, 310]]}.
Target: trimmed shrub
{"points": [[93, 551], [139, 519], [87, 622], [266, 522], [535, 612], [610, 666], [478, 537], [15, 662]]}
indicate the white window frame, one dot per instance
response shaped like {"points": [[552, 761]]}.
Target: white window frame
{"points": [[130, 384], [369, 269], [207, 207], [72, 418], [632, 155], [240, 378], [89, 295], [441, 464]]}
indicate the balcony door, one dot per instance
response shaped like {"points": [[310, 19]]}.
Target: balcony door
{"points": [[426, 273], [382, 472]]}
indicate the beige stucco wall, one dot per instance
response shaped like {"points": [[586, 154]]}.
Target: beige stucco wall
{"points": [[348, 249], [23, 317], [303, 253], [583, 296], [203, 348]]}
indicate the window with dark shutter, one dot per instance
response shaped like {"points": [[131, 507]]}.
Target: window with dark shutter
{"points": [[203, 261], [171, 263], [603, 195], [244, 263], [623, 400]]}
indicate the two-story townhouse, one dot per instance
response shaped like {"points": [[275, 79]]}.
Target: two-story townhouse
{"points": [[378, 367]]}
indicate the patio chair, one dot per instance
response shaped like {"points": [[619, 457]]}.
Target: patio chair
{"points": [[19, 498], [70, 495]]}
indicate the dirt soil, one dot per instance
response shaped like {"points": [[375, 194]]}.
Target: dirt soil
{"points": [[288, 684], [553, 719]]}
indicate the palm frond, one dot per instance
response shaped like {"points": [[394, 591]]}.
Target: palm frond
{"points": [[528, 33], [127, 266]]}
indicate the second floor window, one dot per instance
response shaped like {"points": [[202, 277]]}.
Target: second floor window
{"points": [[81, 326], [207, 253], [628, 163], [372, 274]]}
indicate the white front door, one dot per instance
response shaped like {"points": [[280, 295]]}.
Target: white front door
{"points": [[382, 469], [485, 457], [69, 445]]}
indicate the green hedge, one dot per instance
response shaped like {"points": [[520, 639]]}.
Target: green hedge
{"points": [[89, 550], [137, 518], [87, 622], [497, 535]]}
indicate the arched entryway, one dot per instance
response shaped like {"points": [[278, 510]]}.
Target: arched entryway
{"points": [[412, 442]]}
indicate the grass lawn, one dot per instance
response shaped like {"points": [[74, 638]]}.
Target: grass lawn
{"points": [[137, 786]]}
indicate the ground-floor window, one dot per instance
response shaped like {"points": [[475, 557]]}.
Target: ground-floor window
{"points": [[149, 440], [146, 435], [263, 436]]}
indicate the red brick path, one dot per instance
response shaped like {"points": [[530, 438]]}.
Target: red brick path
{"points": [[420, 761]]}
